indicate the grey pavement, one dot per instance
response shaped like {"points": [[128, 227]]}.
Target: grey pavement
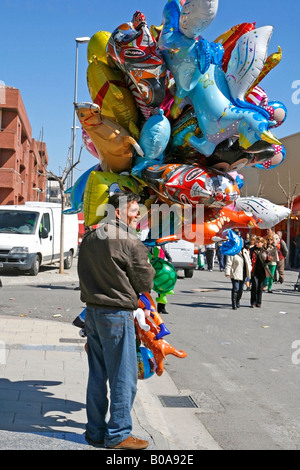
{"points": [[43, 376]]}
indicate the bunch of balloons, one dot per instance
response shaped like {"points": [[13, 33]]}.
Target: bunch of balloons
{"points": [[179, 115], [174, 117]]}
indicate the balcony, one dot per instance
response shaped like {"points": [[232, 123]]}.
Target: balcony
{"points": [[8, 139], [10, 179]]}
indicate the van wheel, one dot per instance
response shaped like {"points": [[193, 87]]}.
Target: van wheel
{"points": [[35, 267], [188, 272], [68, 261]]}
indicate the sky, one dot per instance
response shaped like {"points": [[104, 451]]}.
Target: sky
{"points": [[37, 56]]}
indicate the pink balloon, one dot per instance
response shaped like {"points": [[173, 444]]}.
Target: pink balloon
{"points": [[88, 143]]}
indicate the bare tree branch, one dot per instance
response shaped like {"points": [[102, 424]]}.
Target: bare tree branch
{"points": [[282, 188]]}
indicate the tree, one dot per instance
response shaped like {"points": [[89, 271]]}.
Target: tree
{"points": [[62, 188]]}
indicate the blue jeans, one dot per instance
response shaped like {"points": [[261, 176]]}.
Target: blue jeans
{"points": [[112, 360], [237, 286]]}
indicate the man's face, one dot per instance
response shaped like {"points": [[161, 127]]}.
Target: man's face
{"points": [[129, 214]]}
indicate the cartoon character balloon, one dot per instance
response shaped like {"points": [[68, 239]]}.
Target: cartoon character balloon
{"points": [[217, 98], [133, 50]]}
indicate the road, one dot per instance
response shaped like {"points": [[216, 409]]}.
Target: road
{"points": [[243, 367]]}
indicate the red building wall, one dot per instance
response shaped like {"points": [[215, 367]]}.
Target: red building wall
{"points": [[23, 160]]}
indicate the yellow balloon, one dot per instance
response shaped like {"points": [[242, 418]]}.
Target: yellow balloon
{"points": [[96, 50], [114, 145], [108, 89], [99, 187]]}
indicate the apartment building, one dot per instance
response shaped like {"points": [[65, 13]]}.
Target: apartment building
{"points": [[23, 160]]}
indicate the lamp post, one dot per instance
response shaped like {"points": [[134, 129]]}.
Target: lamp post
{"points": [[78, 41]]}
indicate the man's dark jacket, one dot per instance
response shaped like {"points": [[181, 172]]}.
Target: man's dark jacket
{"points": [[113, 267]]}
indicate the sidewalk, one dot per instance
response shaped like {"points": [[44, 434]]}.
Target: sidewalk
{"points": [[43, 375]]}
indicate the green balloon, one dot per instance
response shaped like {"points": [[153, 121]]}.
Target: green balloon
{"points": [[165, 277]]}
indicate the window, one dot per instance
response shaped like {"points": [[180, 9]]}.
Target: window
{"points": [[45, 222], [18, 221]]}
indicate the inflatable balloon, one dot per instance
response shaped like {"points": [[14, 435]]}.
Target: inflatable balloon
{"points": [[184, 124], [145, 362], [195, 17], [269, 214], [113, 143], [233, 245], [217, 98], [276, 109], [247, 61], [88, 144], [100, 185], [109, 91], [270, 63], [190, 184], [159, 347], [96, 49], [165, 278], [275, 161], [77, 191], [229, 39], [153, 141], [147, 304], [133, 49], [215, 225], [257, 96]]}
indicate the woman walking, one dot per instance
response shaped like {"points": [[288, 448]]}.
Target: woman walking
{"points": [[258, 256], [272, 258], [238, 269]]}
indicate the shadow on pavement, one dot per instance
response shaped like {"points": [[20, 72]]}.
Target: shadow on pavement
{"points": [[30, 406]]}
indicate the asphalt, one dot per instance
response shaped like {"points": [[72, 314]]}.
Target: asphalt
{"points": [[44, 370]]}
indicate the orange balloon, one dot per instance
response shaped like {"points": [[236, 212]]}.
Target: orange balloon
{"points": [[216, 221], [159, 347]]}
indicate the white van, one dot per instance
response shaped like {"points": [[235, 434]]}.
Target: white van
{"points": [[182, 256], [30, 236]]}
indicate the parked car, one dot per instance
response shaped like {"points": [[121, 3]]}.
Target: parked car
{"points": [[183, 257], [30, 236]]}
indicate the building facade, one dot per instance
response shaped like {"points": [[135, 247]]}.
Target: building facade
{"points": [[23, 160], [280, 183]]}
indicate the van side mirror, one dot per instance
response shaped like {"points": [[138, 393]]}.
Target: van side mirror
{"points": [[44, 233]]}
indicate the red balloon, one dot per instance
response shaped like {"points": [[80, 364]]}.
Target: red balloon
{"points": [[230, 38]]}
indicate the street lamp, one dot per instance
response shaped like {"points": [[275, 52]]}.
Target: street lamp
{"points": [[82, 40]]}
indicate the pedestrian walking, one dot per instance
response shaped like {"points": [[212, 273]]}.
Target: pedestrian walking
{"points": [[221, 257], [201, 258], [282, 254], [113, 269], [258, 256], [238, 269], [210, 255], [272, 258], [247, 241]]}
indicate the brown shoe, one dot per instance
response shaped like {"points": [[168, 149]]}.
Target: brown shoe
{"points": [[131, 443]]}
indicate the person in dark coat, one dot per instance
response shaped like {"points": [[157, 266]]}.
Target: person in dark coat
{"points": [[259, 260]]}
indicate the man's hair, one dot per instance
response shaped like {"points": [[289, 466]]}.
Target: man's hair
{"points": [[117, 199]]}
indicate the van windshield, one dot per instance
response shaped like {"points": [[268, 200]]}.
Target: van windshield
{"points": [[14, 221]]}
